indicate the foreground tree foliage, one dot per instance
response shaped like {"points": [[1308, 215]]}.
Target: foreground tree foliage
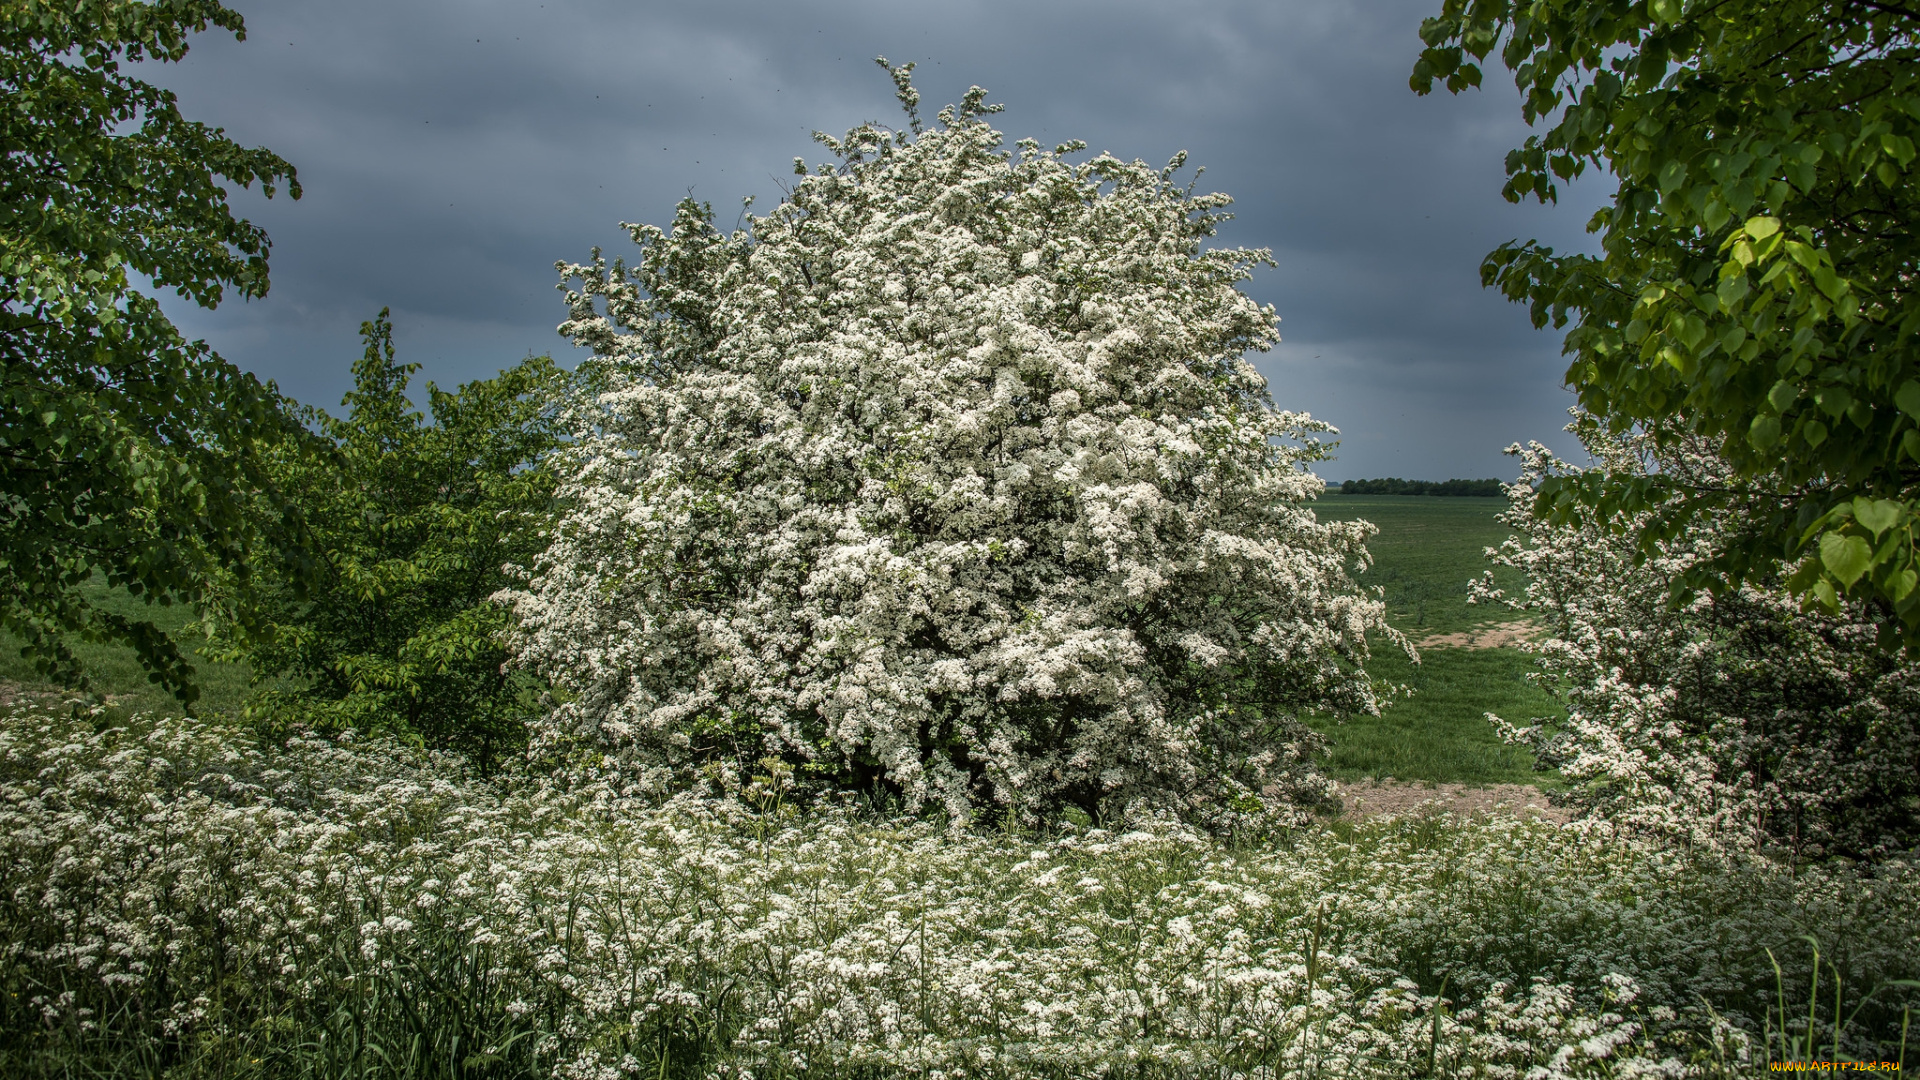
{"points": [[125, 451], [1754, 282], [949, 475], [413, 523]]}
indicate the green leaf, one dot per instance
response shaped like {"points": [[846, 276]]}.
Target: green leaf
{"points": [[1732, 289], [1890, 551], [1845, 557], [1814, 432], [1878, 515], [1784, 394], [1908, 398], [1672, 175], [1828, 282], [1764, 432], [1761, 227], [1822, 593]]}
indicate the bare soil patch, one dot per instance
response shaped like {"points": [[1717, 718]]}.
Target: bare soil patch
{"points": [[1496, 636], [12, 693], [1398, 798], [42, 697]]}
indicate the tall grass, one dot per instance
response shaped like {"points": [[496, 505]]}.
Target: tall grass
{"points": [[1791, 1039]]}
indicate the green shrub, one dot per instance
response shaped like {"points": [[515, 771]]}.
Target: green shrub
{"points": [[413, 522]]}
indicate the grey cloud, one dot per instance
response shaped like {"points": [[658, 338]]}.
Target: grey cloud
{"points": [[453, 151]]}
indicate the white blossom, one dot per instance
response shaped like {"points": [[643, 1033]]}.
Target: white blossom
{"points": [[1735, 720], [188, 885], [950, 471]]}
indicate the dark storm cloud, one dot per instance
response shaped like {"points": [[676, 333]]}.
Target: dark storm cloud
{"points": [[453, 151]]}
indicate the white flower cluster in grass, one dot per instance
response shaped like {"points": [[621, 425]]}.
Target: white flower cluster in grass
{"points": [[160, 882], [950, 471], [1732, 720]]}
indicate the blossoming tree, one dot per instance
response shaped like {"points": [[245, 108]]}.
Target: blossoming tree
{"points": [[1740, 719], [949, 475]]}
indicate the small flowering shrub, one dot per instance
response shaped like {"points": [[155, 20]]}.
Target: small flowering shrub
{"points": [[1737, 719], [949, 475], [175, 901]]}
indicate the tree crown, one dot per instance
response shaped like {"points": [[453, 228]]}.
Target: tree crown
{"points": [[949, 474], [125, 451]]}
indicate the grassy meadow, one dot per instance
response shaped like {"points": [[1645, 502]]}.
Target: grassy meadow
{"points": [[113, 671], [1427, 550]]}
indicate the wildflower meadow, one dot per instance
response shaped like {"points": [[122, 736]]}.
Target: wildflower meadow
{"points": [[183, 902]]}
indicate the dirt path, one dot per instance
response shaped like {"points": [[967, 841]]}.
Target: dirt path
{"points": [[12, 693], [1399, 798], [1496, 636]]}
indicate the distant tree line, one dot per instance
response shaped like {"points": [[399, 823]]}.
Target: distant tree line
{"points": [[1393, 485]]}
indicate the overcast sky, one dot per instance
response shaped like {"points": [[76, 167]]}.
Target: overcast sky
{"points": [[453, 150]]}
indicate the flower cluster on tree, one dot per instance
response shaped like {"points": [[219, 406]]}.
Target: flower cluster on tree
{"points": [[1736, 719], [949, 475]]}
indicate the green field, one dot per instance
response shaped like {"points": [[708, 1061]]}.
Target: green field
{"points": [[114, 674], [1427, 550]]}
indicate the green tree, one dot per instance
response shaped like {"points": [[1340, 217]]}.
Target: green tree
{"points": [[412, 523], [126, 452], [1393, 485], [1754, 283]]}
